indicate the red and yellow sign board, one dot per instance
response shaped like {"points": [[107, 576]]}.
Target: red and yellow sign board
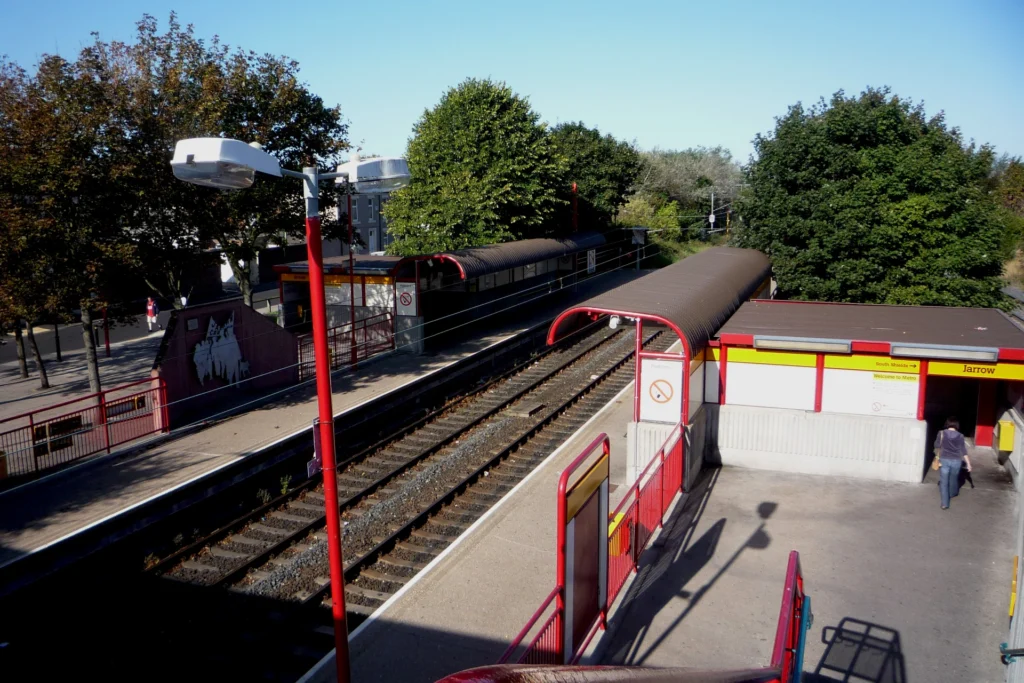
{"points": [[339, 279], [1012, 371], [872, 363], [582, 490], [791, 358]]}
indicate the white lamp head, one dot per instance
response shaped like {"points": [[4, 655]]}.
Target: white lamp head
{"points": [[222, 163]]}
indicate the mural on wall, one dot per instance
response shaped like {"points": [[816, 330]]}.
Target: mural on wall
{"points": [[219, 354]]}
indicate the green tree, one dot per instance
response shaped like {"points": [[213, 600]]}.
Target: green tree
{"points": [[643, 210], [172, 86], [1010, 187], [865, 199], [603, 168], [483, 171], [60, 176]]}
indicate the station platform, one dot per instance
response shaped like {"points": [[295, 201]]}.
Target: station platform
{"points": [[710, 585], [51, 510]]}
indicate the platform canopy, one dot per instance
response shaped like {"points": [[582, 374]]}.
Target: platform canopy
{"points": [[693, 297], [943, 332], [479, 261]]}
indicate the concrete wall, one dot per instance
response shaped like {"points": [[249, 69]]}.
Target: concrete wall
{"points": [[890, 449], [696, 445], [409, 334], [261, 356], [643, 439]]}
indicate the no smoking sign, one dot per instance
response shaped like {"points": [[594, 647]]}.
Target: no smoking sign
{"points": [[661, 391]]}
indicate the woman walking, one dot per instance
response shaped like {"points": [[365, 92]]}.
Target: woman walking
{"points": [[951, 450]]}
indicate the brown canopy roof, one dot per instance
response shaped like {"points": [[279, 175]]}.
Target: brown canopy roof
{"points": [[477, 261], [930, 325], [694, 296]]}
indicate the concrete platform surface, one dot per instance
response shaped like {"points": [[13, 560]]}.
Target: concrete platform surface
{"points": [[879, 552], [709, 593], [466, 611], [44, 512]]}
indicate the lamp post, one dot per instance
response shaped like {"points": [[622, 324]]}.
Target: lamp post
{"points": [[231, 165]]}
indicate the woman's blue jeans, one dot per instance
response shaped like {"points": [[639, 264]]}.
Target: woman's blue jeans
{"points": [[949, 480]]}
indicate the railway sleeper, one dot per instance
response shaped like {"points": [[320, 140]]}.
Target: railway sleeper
{"points": [[247, 541], [308, 507], [417, 549], [367, 593], [399, 564], [384, 577], [422, 535], [217, 551], [457, 515], [291, 518], [448, 527]]}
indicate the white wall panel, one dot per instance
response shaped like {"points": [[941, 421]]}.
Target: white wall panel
{"points": [[769, 386], [862, 392], [696, 390], [891, 449], [711, 381], [380, 295]]}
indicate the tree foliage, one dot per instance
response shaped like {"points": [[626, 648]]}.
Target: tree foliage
{"points": [[483, 171], [865, 199], [689, 176], [603, 168], [87, 197]]}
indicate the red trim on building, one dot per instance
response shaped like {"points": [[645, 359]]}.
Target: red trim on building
{"points": [[819, 381], [714, 343], [870, 347], [723, 358], [985, 425], [922, 389], [737, 339], [1011, 354]]}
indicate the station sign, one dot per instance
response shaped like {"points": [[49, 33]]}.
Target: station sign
{"points": [[1012, 371], [406, 293], [661, 390]]}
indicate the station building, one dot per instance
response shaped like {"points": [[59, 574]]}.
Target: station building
{"points": [[819, 388], [416, 299]]}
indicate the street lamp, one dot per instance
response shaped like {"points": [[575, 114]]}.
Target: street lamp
{"points": [[379, 175], [231, 165]]}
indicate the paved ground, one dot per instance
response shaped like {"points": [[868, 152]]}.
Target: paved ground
{"points": [[882, 553], [132, 355], [709, 598]]}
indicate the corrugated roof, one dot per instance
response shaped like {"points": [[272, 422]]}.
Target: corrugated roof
{"points": [[695, 296], [478, 261], [941, 325]]}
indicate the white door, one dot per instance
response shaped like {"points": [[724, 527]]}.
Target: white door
{"points": [[374, 240]]}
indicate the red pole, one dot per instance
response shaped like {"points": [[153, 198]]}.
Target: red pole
{"points": [[637, 368], [575, 210], [318, 309], [106, 332], [351, 281]]}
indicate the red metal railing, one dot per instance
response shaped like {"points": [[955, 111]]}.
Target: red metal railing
{"points": [[372, 335], [642, 510], [787, 654], [633, 523], [49, 437]]}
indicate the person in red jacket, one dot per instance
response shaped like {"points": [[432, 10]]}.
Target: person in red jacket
{"points": [[152, 311]]}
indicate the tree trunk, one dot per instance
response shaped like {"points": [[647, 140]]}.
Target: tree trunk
{"points": [[90, 349], [19, 341], [44, 381], [242, 274], [56, 340]]}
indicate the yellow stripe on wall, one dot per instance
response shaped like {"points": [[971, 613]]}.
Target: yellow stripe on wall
{"points": [[744, 355], [978, 370], [873, 363]]}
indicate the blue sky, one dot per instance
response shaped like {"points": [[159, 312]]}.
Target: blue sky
{"points": [[665, 74]]}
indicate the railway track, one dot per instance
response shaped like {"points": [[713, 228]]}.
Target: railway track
{"points": [[403, 500]]}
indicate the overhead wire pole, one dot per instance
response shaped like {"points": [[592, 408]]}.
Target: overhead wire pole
{"points": [[318, 306]]}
